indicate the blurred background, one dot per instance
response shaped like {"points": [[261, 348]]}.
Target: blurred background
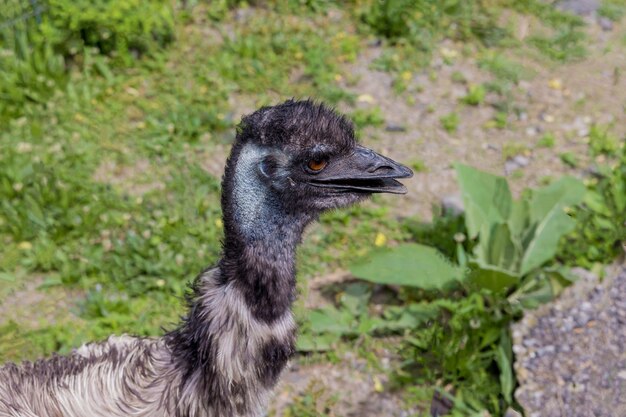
{"points": [[116, 117]]}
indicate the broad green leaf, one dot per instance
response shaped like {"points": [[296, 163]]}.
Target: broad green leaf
{"points": [[486, 198], [596, 202], [566, 191], [308, 342], [519, 224], [5, 276], [408, 317], [499, 247], [412, 265], [506, 375], [328, 320], [355, 298], [545, 241], [492, 278]]}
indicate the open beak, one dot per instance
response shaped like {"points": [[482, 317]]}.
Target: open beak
{"points": [[364, 171]]}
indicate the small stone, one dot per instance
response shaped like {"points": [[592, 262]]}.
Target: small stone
{"points": [[583, 132], [510, 166], [512, 413], [453, 204], [395, 127], [621, 374], [606, 24], [532, 131], [579, 7], [521, 160], [517, 162], [366, 98]]}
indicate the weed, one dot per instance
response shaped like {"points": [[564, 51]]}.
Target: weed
{"points": [[600, 229], [458, 77], [503, 68], [547, 140], [316, 401], [612, 9], [569, 159], [418, 166], [367, 117], [565, 45], [475, 95], [512, 149], [501, 120], [450, 122], [443, 299], [602, 142]]}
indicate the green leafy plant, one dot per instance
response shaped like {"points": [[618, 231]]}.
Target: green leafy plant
{"points": [[600, 221], [368, 117], [505, 271], [565, 45], [612, 9], [516, 238], [114, 27], [601, 141]]}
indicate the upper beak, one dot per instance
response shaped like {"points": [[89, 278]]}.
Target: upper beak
{"points": [[364, 170]]}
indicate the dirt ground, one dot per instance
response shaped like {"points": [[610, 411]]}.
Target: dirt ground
{"points": [[563, 99]]}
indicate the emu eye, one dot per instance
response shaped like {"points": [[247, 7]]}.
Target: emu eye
{"points": [[316, 165]]}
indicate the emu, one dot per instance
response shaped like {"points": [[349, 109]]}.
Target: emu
{"points": [[289, 163]]}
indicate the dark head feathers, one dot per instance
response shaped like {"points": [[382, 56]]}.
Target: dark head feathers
{"points": [[297, 125]]}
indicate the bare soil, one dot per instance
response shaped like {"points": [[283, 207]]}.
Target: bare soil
{"points": [[562, 99]]}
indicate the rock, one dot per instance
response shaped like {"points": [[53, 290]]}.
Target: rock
{"points": [[395, 127], [569, 355], [533, 131], [453, 204], [515, 163], [521, 160], [512, 413], [440, 405], [490, 147], [579, 7], [606, 24]]}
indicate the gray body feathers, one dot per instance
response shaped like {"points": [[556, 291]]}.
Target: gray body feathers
{"points": [[128, 376]]}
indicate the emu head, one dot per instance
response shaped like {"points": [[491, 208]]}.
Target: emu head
{"points": [[300, 157]]}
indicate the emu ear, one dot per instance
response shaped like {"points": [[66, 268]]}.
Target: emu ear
{"points": [[268, 166]]}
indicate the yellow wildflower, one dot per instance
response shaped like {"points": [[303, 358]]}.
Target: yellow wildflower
{"points": [[380, 240]]}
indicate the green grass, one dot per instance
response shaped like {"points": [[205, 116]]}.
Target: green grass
{"points": [[109, 191], [130, 253], [614, 10]]}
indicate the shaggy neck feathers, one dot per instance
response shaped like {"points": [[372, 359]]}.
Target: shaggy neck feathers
{"points": [[261, 235], [239, 332]]}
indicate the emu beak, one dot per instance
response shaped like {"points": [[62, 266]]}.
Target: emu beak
{"points": [[364, 171]]}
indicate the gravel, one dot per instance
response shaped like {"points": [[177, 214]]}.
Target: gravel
{"points": [[571, 355]]}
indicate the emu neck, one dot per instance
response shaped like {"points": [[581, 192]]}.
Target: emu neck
{"points": [[261, 238]]}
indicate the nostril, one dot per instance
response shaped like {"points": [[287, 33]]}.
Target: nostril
{"points": [[381, 169]]}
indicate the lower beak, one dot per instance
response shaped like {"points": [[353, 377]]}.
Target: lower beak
{"points": [[364, 171]]}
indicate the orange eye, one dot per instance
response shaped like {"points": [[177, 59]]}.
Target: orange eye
{"points": [[315, 165]]}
